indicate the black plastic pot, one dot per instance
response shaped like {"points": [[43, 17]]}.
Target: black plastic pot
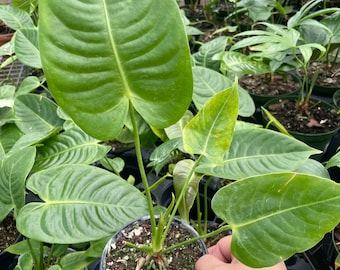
{"points": [[333, 250], [145, 220], [321, 256], [8, 260], [318, 140], [331, 149], [324, 90], [260, 100], [336, 98]]}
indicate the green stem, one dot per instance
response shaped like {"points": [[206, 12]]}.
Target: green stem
{"points": [[35, 260], [192, 240], [335, 56], [205, 215], [142, 169], [199, 214], [158, 182], [51, 251]]}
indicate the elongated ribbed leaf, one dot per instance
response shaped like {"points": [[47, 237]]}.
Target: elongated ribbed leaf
{"points": [[277, 215], [7, 96], [241, 64], [29, 84], [208, 82], [129, 51], [26, 47], [73, 146], [26, 5], [204, 56], [259, 151], [164, 153], [6, 115], [210, 132], [313, 167], [36, 114], [15, 18], [9, 134], [13, 172], [81, 203], [333, 161]]}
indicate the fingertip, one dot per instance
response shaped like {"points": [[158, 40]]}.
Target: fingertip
{"points": [[208, 262]]}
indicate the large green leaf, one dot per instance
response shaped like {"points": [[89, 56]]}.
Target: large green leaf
{"points": [[26, 5], [73, 146], [258, 10], [7, 93], [204, 56], [81, 203], [241, 64], [259, 151], [313, 167], [126, 52], [333, 161], [208, 82], [26, 47], [332, 23], [36, 114], [29, 84], [210, 132], [14, 17], [165, 153], [9, 134], [75, 260], [13, 172], [277, 215], [276, 38], [6, 115]]}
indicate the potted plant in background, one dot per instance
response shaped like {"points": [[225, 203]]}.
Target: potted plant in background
{"points": [[316, 26], [288, 41], [128, 79]]}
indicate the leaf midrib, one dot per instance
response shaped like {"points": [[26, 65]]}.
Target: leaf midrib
{"points": [[115, 53], [276, 213]]}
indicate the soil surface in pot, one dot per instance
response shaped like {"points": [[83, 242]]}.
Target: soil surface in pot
{"points": [[264, 85], [8, 233], [207, 22], [317, 119], [328, 76], [122, 257]]}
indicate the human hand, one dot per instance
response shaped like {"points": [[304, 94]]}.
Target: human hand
{"points": [[220, 258]]}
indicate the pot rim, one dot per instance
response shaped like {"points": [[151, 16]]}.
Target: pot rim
{"points": [[177, 221]]}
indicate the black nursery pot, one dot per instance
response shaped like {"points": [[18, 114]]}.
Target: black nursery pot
{"points": [[127, 258], [316, 140], [7, 259], [336, 98]]}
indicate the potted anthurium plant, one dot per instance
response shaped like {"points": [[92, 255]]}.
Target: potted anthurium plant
{"points": [[300, 115], [126, 65]]}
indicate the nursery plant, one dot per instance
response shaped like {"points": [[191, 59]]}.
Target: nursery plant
{"points": [[132, 59], [22, 17], [277, 45]]}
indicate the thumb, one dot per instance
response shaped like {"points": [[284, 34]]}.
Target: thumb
{"points": [[209, 261]]}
